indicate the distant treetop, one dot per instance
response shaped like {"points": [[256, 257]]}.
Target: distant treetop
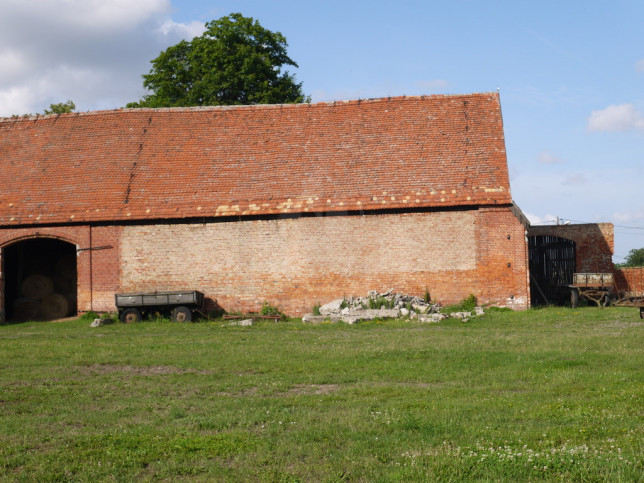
{"points": [[61, 108], [635, 258]]}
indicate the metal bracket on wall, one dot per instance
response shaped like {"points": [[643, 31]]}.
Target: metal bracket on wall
{"points": [[104, 247]]}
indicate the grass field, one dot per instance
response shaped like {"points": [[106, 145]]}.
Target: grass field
{"points": [[552, 394]]}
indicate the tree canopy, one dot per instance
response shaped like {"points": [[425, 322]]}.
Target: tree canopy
{"points": [[235, 61], [61, 108], [635, 258]]}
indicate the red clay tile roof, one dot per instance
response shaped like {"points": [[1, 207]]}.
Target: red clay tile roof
{"points": [[136, 164]]}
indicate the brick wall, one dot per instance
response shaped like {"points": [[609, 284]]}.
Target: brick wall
{"points": [[595, 243], [502, 259], [630, 280], [296, 262], [104, 269]]}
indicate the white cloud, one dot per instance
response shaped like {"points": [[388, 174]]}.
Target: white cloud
{"points": [[14, 65], [623, 117], [546, 158], [16, 100], [90, 51], [86, 15], [628, 217], [187, 31]]}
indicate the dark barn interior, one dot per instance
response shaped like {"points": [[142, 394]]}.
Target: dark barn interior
{"points": [[552, 262], [40, 279]]}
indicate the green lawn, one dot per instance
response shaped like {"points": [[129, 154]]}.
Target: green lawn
{"points": [[553, 394]]}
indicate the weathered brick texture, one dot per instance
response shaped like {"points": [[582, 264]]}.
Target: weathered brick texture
{"points": [[630, 280], [158, 164], [296, 262]]}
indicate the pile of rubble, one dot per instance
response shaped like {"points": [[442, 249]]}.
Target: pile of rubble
{"points": [[384, 305]]}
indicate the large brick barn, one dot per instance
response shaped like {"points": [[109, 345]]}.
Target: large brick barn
{"points": [[290, 204]]}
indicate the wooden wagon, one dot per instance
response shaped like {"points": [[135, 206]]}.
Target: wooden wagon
{"points": [[596, 287], [602, 289]]}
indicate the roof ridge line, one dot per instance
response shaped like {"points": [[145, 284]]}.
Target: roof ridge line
{"points": [[258, 107]]}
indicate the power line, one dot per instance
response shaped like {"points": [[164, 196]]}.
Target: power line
{"points": [[561, 221]]}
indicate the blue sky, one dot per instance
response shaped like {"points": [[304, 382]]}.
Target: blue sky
{"points": [[570, 75]]}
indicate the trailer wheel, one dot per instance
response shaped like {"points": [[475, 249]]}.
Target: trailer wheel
{"points": [[181, 314], [574, 298], [130, 316]]}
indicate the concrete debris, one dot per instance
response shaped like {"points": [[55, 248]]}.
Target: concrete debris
{"points": [[431, 318], [460, 315], [420, 309], [240, 323], [318, 319], [99, 322], [332, 307], [383, 305], [370, 314]]}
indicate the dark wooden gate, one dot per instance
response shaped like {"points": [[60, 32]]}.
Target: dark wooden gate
{"points": [[552, 263]]}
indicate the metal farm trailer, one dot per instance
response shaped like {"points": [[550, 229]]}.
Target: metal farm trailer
{"points": [[602, 289], [179, 305]]}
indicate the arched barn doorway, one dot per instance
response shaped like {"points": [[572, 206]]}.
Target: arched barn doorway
{"points": [[40, 279], [552, 263]]}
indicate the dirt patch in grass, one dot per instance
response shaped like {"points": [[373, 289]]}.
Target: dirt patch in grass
{"points": [[324, 389], [139, 371], [243, 392], [317, 389], [618, 324], [297, 390]]}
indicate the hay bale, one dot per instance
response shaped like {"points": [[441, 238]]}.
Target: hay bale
{"points": [[36, 286], [54, 306], [25, 309]]}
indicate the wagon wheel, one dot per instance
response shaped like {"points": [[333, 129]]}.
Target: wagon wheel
{"points": [[130, 316], [574, 298], [181, 314]]}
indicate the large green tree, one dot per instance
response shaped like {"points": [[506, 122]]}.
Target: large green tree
{"points": [[235, 61]]}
